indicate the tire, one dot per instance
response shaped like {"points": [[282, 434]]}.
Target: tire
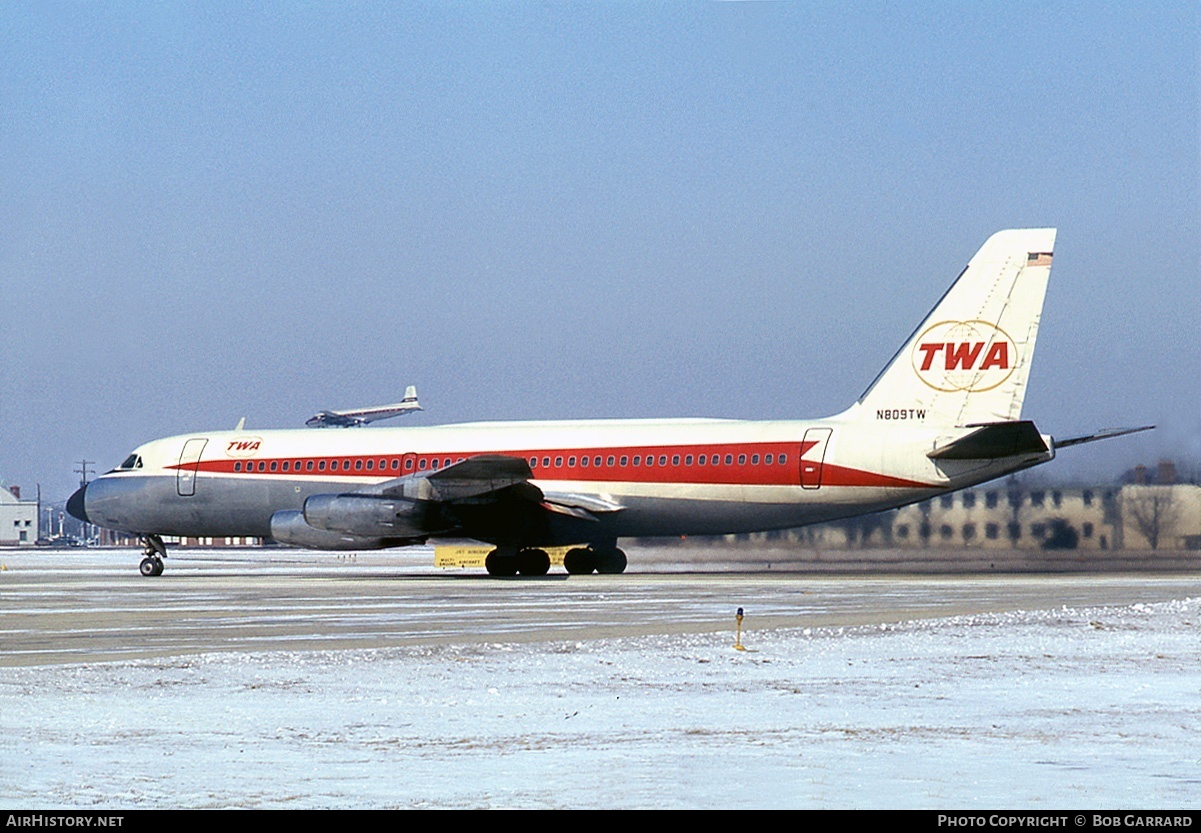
{"points": [[534, 562], [501, 565], [580, 561], [611, 562]]}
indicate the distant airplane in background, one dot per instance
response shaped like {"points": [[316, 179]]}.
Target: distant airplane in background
{"points": [[945, 413], [363, 416]]}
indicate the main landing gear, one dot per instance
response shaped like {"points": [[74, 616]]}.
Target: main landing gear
{"points": [[530, 561], [154, 552], [605, 560], [507, 561]]}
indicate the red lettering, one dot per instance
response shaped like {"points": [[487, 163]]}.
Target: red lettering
{"points": [[929, 350], [963, 355], [998, 356]]}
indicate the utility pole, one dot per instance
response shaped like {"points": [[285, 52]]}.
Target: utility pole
{"points": [[82, 471]]}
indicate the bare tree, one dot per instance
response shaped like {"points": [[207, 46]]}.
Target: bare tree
{"points": [[1153, 511]]}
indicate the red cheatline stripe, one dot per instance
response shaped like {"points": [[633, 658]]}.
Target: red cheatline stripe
{"points": [[746, 473]]}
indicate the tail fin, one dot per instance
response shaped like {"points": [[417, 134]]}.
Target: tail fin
{"points": [[969, 360]]}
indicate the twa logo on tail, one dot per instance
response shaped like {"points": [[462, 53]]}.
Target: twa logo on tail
{"points": [[964, 356]]}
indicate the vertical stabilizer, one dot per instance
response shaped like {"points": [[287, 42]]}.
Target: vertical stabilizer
{"points": [[968, 362]]}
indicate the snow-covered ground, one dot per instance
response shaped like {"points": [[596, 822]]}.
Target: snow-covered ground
{"points": [[1091, 708]]}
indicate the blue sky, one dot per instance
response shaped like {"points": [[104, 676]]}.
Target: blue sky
{"points": [[219, 210]]}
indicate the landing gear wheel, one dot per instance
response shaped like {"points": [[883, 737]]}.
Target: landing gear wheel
{"points": [[151, 566], [534, 562], [579, 561], [611, 561], [502, 564], [154, 551]]}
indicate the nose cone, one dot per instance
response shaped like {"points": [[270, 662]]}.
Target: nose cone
{"points": [[75, 505]]}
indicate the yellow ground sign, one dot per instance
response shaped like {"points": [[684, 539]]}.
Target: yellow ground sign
{"points": [[448, 555]]}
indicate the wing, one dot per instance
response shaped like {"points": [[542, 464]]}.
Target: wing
{"points": [[487, 497]]}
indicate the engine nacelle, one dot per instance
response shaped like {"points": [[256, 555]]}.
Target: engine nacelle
{"points": [[288, 527], [367, 516]]}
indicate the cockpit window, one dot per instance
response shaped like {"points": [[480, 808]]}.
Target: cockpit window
{"points": [[133, 461]]}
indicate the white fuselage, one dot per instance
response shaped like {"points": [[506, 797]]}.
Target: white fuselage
{"points": [[674, 477]]}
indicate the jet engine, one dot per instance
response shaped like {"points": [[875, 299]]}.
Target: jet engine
{"points": [[368, 516], [288, 527]]}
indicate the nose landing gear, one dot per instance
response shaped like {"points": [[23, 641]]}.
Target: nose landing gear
{"points": [[154, 552]]}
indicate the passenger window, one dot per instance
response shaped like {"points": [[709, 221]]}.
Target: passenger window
{"points": [[409, 464], [584, 462], [262, 466], [637, 459], [729, 459], [675, 459], [285, 465], [370, 465], [395, 464], [783, 459], [558, 462], [700, 461], [596, 460], [662, 459], [422, 464], [754, 459], [321, 466], [625, 461], [546, 462], [767, 460], [308, 466], [237, 466], [571, 462], [742, 459], [688, 460]]}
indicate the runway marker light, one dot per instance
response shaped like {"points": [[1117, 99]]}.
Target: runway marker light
{"points": [[738, 637]]}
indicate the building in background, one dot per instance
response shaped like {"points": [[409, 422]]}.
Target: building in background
{"points": [[18, 519], [1149, 510]]}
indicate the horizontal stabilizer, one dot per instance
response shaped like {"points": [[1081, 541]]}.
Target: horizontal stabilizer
{"points": [[992, 441], [1103, 434]]}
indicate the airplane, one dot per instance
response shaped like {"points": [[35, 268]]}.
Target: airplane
{"points": [[362, 416], [943, 414]]}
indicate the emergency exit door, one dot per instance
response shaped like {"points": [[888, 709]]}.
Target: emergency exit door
{"points": [[813, 455]]}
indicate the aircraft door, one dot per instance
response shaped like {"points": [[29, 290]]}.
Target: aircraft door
{"points": [[189, 464], [408, 464], [813, 455]]}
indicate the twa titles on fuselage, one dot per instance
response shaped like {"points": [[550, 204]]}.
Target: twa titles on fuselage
{"points": [[945, 413]]}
